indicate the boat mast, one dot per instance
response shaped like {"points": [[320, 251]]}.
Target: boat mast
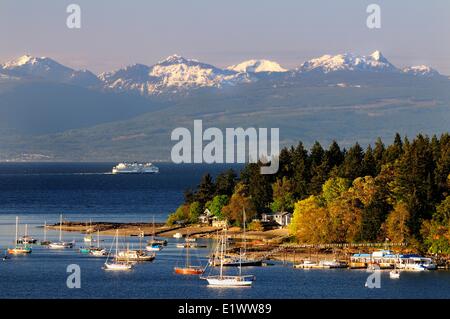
{"points": [[60, 228], [223, 238], [26, 230], [17, 225], [243, 236], [187, 254], [117, 242], [45, 230], [98, 238], [153, 229]]}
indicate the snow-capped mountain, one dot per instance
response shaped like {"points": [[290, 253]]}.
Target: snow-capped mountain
{"points": [[421, 70], [257, 66], [375, 62], [177, 74], [47, 69], [174, 73]]}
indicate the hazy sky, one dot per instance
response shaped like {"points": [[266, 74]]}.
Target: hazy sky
{"points": [[116, 33]]}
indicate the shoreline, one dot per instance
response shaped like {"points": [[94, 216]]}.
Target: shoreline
{"points": [[268, 245]]}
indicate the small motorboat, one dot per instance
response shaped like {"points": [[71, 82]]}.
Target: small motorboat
{"points": [[177, 235], [153, 247], [96, 252], [394, 274]]}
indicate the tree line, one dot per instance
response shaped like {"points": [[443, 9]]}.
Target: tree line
{"points": [[396, 193]]}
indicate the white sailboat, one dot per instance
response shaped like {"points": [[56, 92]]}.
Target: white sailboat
{"points": [[60, 244], [222, 280], [116, 264], [98, 251], [88, 237]]}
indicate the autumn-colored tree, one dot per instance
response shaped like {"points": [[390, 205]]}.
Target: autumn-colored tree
{"points": [[310, 222], [345, 218], [333, 188], [397, 224], [233, 212]]}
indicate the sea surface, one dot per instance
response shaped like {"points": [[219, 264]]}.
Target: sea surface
{"points": [[40, 192]]}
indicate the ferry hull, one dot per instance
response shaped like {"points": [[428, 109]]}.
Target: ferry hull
{"points": [[228, 283], [118, 267], [188, 271], [19, 251]]}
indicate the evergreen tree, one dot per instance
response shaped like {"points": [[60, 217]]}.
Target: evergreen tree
{"points": [[369, 167], [225, 183], [205, 191], [378, 154], [352, 166]]}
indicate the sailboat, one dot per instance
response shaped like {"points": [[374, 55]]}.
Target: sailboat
{"points": [[222, 280], [88, 238], [98, 251], [61, 244], [395, 273], [242, 260], [19, 249], [26, 239], [153, 244], [116, 264], [188, 269], [45, 242]]}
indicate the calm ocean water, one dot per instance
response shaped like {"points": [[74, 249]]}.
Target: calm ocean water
{"points": [[38, 192]]}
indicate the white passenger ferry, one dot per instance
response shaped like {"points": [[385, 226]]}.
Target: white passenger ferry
{"points": [[135, 168]]}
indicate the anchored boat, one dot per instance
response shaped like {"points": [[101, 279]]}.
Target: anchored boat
{"points": [[61, 244], [115, 264], [222, 280], [19, 249], [188, 268]]}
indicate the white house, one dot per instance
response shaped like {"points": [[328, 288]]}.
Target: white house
{"points": [[281, 218], [206, 217]]}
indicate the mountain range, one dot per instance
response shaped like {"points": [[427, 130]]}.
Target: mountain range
{"points": [[175, 73], [49, 111]]}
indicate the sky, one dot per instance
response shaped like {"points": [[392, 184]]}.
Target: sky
{"points": [[117, 33]]}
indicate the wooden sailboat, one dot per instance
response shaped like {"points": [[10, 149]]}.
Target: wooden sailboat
{"points": [[19, 249], [116, 265], [188, 269], [224, 281], [61, 244]]}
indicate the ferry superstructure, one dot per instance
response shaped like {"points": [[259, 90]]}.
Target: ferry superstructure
{"points": [[135, 168]]}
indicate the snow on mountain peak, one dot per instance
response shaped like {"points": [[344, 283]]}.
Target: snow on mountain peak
{"points": [[422, 70], [47, 69], [348, 62], [256, 66]]}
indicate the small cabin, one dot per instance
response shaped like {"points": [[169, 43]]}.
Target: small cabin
{"points": [[206, 217], [283, 219]]}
